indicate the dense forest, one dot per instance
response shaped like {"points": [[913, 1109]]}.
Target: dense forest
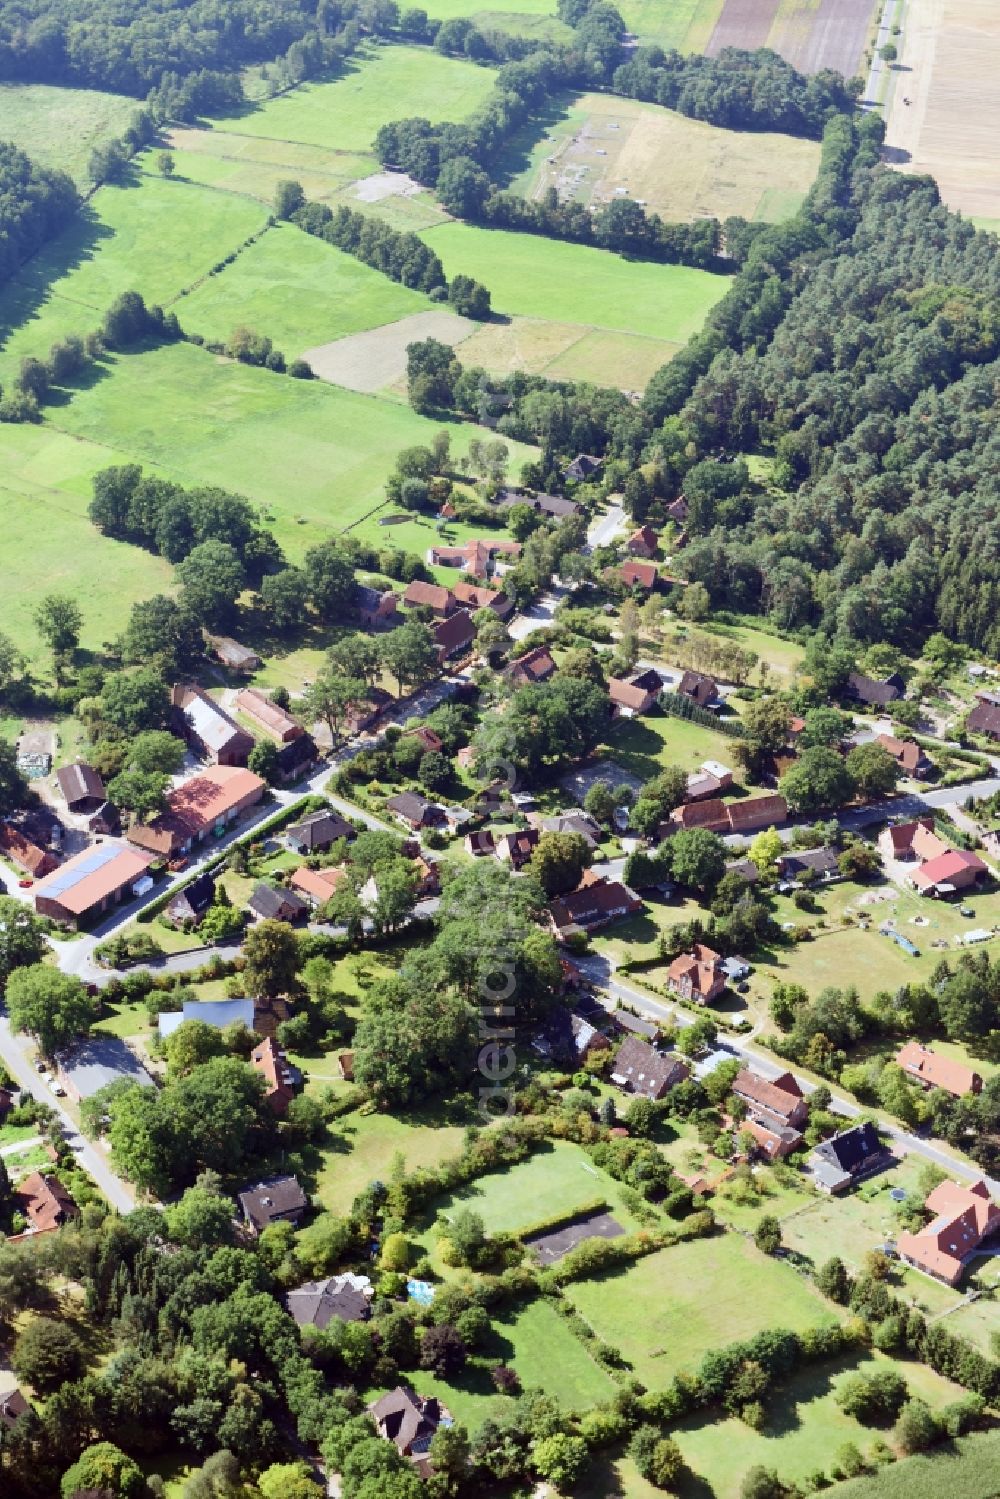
{"points": [[35, 204]]}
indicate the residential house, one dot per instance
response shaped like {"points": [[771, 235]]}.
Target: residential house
{"points": [[439, 600], [428, 875], [517, 848], [92, 1064], [773, 1144], [552, 506], [964, 1218], [629, 700], [871, 693], [12, 1407], [233, 656], [28, 856], [428, 740], [295, 759], [634, 1025], [677, 510], [318, 885], [218, 1013], [848, 1157], [644, 575], [697, 975], [776, 1111], [44, 1202], [81, 786], [341, 1298], [648, 678], [208, 729], [453, 635], [376, 607], [281, 1079], [807, 864], [207, 803], [708, 781], [956, 869], [473, 596], [89, 884], [480, 843], [984, 719], [574, 821], [8, 1097], [746, 869], [931, 1070], [479, 558], [643, 543], [910, 758], [414, 811], [278, 725], [583, 467], [363, 715], [269, 903], [701, 690], [106, 822], [279, 1199], [905, 841], [637, 1068], [534, 666], [409, 1421], [191, 903], [596, 902], [568, 1039], [317, 833]]}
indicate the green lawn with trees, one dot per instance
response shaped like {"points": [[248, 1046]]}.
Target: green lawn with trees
{"points": [[59, 127]]}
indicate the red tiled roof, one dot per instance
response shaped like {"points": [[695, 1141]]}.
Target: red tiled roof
{"points": [[937, 1071], [433, 595], [319, 883], [626, 695], [643, 573], [946, 867]]}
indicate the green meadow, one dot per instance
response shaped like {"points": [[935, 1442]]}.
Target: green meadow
{"points": [[59, 127]]}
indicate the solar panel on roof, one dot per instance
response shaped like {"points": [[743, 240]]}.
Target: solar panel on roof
{"points": [[71, 874]]}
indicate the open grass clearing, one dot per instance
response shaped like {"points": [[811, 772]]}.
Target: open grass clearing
{"points": [[153, 236], [382, 83], [254, 165], [667, 1310], [605, 147], [59, 127], [371, 360], [368, 1143], [316, 457], [299, 291], [545, 278], [643, 746]]}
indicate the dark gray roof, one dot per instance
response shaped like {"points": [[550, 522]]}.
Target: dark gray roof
{"points": [[100, 1060], [300, 751], [271, 1200], [852, 1149], [274, 904], [643, 1070], [194, 898], [867, 690], [320, 830], [819, 860], [319, 1302]]}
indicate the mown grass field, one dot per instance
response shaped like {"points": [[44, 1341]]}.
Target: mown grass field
{"points": [[665, 1311], [385, 83], [369, 1143], [155, 237], [254, 165], [568, 283], [59, 127], [316, 457], [298, 290], [604, 147]]}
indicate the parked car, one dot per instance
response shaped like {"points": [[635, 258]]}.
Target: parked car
{"points": [[56, 1088]]}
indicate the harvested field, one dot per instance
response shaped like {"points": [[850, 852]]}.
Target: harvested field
{"points": [[951, 52], [552, 1247], [370, 361], [566, 351], [604, 148], [810, 34]]}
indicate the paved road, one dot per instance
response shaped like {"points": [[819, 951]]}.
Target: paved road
{"points": [[604, 528], [653, 1008], [118, 1192], [879, 71], [20, 1145], [540, 616]]}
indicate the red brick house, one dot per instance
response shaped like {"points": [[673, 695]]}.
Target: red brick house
{"points": [[697, 975], [643, 543]]}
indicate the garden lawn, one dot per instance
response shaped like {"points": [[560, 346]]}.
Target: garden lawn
{"points": [[666, 1311], [369, 1143], [966, 1469], [383, 83], [298, 290], [548, 278], [314, 455], [59, 127], [644, 746], [806, 1428], [155, 237]]}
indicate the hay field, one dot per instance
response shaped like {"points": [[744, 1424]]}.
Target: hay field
{"points": [[374, 360], [683, 169], [951, 52], [253, 165], [386, 83], [810, 34], [59, 127], [299, 291]]}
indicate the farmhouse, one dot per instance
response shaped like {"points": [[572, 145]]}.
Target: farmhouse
{"points": [[318, 833], [44, 1202], [478, 558], [91, 883], [414, 811], [551, 505], [191, 903], [848, 1157], [643, 543], [628, 700], [964, 1217], [712, 813], [409, 1421], [757, 812], [20, 850], [570, 1038], [597, 901], [904, 841], [376, 607], [637, 1068], [360, 716], [697, 975], [208, 803], [871, 693], [517, 848], [644, 575], [281, 1079], [956, 869], [208, 729], [265, 712], [344, 1298], [295, 758], [776, 1106], [81, 786], [98, 1061], [931, 1070], [440, 601], [270, 904], [908, 756], [535, 666], [473, 596], [700, 689], [279, 1199], [454, 634]]}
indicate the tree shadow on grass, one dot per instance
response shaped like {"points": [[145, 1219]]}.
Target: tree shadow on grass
{"points": [[31, 287], [516, 155], [330, 74]]}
